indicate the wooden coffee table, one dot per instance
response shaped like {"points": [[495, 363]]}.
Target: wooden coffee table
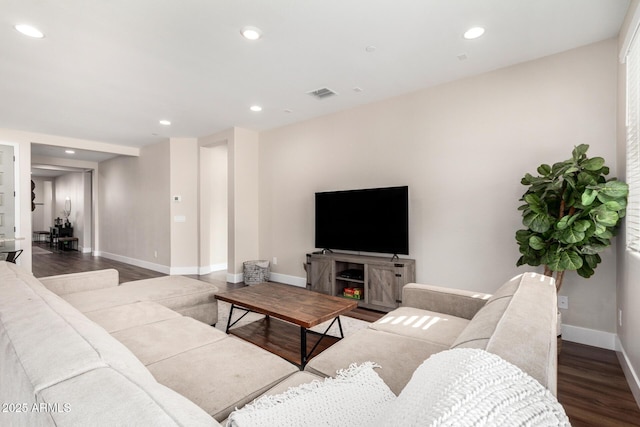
{"points": [[299, 306]]}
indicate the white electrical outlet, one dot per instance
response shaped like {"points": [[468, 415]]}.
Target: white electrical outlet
{"points": [[155, 254], [563, 302], [275, 260]]}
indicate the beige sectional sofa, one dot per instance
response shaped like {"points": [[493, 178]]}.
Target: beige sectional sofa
{"points": [[103, 354], [518, 323], [127, 360]]}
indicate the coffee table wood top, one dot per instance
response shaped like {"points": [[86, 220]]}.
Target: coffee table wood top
{"points": [[293, 304]]}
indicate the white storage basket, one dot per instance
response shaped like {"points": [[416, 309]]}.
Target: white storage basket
{"points": [[255, 272]]}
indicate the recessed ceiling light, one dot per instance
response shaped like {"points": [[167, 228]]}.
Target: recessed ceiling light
{"points": [[251, 33], [69, 151], [255, 108], [29, 30], [165, 122], [473, 33]]}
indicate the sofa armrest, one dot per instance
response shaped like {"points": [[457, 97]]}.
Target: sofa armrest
{"points": [[79, 282], [455, 302]]}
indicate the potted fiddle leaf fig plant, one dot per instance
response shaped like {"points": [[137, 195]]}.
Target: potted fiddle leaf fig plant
{"points": [[571, 212]]}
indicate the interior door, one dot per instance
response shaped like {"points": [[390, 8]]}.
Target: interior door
{"points": [[7, 199]]}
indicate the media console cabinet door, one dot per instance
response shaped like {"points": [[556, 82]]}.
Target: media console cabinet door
{"points": [[383, 285], [321, 276]]}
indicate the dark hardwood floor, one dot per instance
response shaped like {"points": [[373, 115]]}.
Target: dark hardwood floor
{"points": [[62, 262], [593, 389], [591, 385]]}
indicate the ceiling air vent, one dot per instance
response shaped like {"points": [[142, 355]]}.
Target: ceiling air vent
{"points": [[322, 93]]}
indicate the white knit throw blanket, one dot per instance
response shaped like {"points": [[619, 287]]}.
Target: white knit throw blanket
{"points": [[471, 387], [355, 397]]}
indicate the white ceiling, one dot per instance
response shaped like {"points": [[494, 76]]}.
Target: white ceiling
{"points": [[108, 70], [46, 159]]}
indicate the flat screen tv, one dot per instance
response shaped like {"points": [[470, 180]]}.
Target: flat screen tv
{"points": [[368, 220]]}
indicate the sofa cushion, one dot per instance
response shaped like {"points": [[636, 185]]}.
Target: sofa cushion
{"points": [[84, 281], [106, 398], [178, 293], [43, 324], [222, 375], [160, 340], [457, 302], [483, 325], [397, 355], [423, 325], [127, 316], [514, 315], [470, 387]]}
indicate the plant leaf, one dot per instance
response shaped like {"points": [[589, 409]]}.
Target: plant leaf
{"points": [[527, 179], [567, 260], [592, 249], [536, 242], [589, 196], [613, 205], [585, 179], [563, 223], [593, 164], [607, 218], [571, 236], [615, 189], [592, 260], [522, 236], [544, 170], [537, 222], [579, 151], [581, 225], [586, 271], [571, 170]]}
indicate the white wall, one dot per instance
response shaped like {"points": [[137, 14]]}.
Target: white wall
{"points": [[243, 200], [183, 168], [213, 206], [134, 208], [462, 149]]}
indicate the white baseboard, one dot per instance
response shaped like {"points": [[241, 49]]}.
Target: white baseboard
{"points": [[234, 278], [288, 280], [183, 271], [300, 282], [213, 267], [629, 373], [137, 262], [592, 337]]}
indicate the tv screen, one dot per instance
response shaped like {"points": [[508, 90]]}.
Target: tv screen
{"points": [[369, 220]]}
